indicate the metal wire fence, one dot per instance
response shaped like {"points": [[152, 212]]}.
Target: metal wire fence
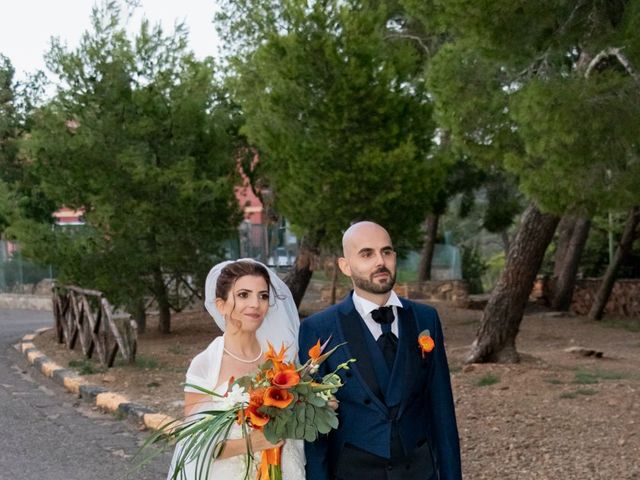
{"points": [[19, 275]]}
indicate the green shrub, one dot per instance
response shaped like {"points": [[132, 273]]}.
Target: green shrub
{"points": [[473, 268]]}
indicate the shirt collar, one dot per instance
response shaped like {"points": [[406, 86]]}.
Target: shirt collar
{"points": [[365, 307]]}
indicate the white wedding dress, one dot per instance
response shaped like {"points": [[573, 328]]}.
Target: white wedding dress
{"points": [[204, 372]]}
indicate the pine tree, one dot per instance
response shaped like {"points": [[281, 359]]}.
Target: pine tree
{"points": [[547, 91], [142, 137], [335, 102]]}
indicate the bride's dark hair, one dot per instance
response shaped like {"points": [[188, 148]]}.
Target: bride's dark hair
{"points": [[230, 274]]}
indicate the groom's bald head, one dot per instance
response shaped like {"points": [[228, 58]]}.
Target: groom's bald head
{"points": [[357, 235]]}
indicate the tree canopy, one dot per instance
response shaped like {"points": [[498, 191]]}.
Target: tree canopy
{"points": [[547, 91], [140, 136], [338, 111]]}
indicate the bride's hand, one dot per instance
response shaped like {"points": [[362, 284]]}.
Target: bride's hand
{"points": [[238, 446], [259, 441], [333, 403]]}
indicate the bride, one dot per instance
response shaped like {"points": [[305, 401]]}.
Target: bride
{"points": [[252, 306]]}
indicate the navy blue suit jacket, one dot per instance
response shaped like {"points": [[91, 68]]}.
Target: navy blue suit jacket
{"points": [[418, 395]]}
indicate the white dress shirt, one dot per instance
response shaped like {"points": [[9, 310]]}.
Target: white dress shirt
{"points": [[365, 307]]}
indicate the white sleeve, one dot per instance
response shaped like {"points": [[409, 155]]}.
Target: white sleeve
{"points": [[199, 373]]}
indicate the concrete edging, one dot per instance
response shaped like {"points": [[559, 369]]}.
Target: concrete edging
{"points": [[107, 401]]}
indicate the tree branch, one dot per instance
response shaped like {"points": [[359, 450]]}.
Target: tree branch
{"points": [[612, 52], [538, 64], [410, 37], [563, 28]]}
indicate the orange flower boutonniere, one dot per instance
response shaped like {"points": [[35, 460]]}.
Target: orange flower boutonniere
{"points": [[425, 342]]}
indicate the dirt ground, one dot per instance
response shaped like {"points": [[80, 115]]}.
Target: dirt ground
{"points": [[555, 415]]}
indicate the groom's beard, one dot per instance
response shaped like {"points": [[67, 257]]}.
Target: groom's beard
{"points": [[368, 285]]}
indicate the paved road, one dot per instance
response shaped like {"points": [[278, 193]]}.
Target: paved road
{"points": [[46, 433]]}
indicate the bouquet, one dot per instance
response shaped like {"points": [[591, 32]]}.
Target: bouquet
{"points": [[281, 399]]}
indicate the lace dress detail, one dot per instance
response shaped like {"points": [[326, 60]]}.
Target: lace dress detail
{"points": [[234, 468]]}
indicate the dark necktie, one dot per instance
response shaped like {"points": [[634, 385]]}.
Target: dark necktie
{"points": [[387, 342]]}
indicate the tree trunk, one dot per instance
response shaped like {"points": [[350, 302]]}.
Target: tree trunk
{"points": [[140, 315], [565, 231], [624, 247], [300, 275], [566, 267], [496, 337], [334, 279], [431, 225], [162, 297], [506, 242]]}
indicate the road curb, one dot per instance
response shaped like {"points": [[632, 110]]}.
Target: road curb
{"points": [[110, 402]]}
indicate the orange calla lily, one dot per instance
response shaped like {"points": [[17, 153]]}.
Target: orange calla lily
{"points": [[276, 397], [256, 418], [286, 378], [256, 396], [315, 351], [425, 343]]}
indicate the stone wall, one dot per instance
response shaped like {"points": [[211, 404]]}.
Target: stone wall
{"points": [[455, 292], [624, 299], [42, 288], [26, 302], [452, 291]]}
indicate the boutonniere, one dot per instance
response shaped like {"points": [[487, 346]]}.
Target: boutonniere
{"points": [[425, 342]]}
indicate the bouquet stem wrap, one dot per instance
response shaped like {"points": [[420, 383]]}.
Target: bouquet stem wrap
{"points": [[270, 466]]}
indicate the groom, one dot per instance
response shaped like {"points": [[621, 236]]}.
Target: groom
{"points": [[396, 412]]}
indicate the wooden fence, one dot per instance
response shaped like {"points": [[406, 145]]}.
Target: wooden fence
{"points": [[86, 315]]}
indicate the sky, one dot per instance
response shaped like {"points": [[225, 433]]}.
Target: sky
{"points": [[26, 26]]}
